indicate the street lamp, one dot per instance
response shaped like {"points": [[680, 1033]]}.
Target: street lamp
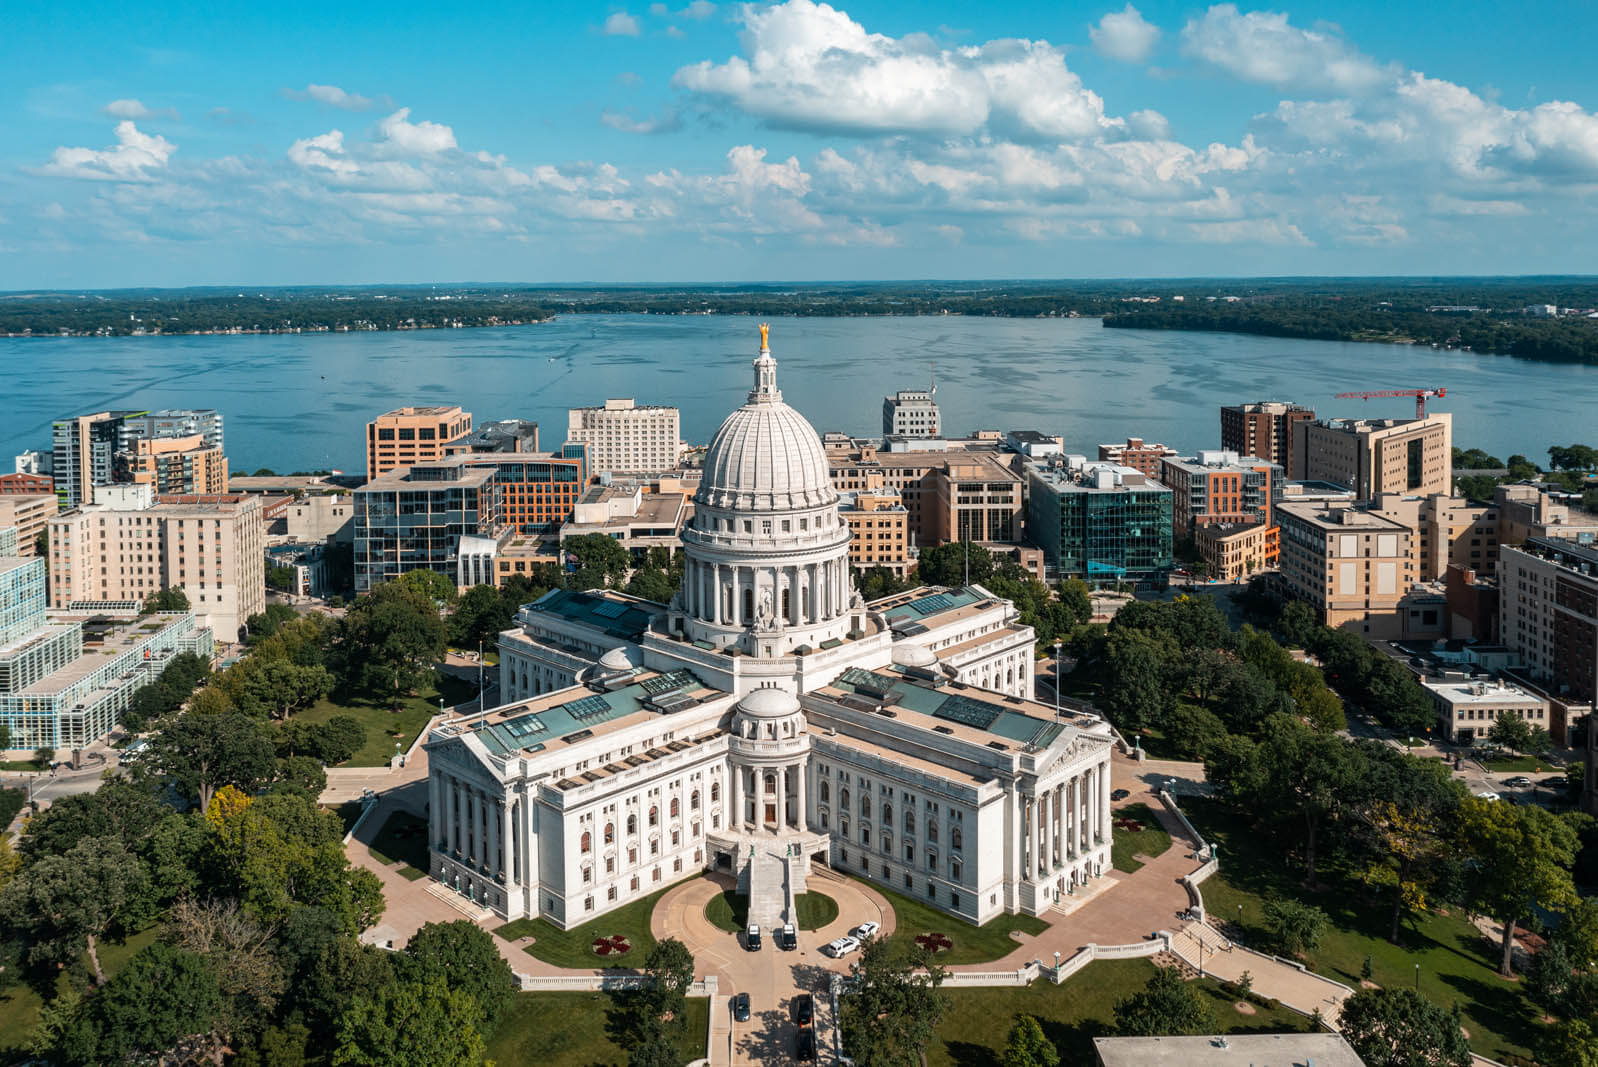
{"points": [[1417, 978], [1057, 679]]}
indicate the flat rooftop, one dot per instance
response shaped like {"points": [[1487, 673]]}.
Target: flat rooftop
{"points": [[1335, 515], [104, 639], [619, 616], [920, 610], [1233, 1050]]}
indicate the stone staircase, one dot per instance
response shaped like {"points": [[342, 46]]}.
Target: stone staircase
{"points": [[767, 889]]}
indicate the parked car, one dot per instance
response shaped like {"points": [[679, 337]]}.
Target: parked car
{"points": [[804, 1009], [752, 938], [786, 937], [1520, 781], [841, 947], [1486, 796], [866, 929], [740, 1007], [1120, 794], [805, 1047]]}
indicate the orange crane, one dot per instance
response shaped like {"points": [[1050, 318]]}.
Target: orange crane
{"points": [[1420, 396]]}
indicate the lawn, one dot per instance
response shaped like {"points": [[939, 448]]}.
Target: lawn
{"points": [[1524, 764], [19, 1004], [1456, 964], [574, 1030], [403, 840], [384, 727], [730, 910], [11, 802], [574, 948], [977, 1026], [972, 944], [1150, 841], [23, 765]]}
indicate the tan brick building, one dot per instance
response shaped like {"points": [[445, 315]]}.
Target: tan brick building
{"points": [[30, 515], [1137, 455], [211, 547], [1352, 565], [948, 495], [879, 528], [407, 436], [1234, 551], [1220, 487], [1264, 429], [623, 437], [182, 465], [1444, 530], [1375, 456]]}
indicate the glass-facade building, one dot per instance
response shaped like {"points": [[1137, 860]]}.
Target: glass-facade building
{"points": [[413, 518], [1100, 522]]}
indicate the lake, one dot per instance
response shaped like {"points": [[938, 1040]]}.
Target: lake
{"points": [[301, 401]]}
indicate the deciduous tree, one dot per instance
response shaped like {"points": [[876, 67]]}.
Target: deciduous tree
{"points": [[1400, 1028], [1522, 857], [895, 1005], [464, 957], [1167, 1005], [199, 754], [66, 903], [1028, 1047], [161, 1008], [411, 1022]]}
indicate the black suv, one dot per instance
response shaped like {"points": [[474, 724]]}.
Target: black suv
{"points": [[805, 1050], [804, 1009]]}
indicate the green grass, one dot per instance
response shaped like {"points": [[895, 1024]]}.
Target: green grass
{"points": [[403, 840], [730, 911], [573, 948], [19, 1004], [23, 765], [972, 944], [1456, 964], [977, 1026], [1524, 764], [576, 1030], [11, 802], [385, 727], [1150, 841]]}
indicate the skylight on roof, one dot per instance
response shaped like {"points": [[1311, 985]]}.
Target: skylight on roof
{"points": [[967, 712], [586, 708], [610, 609]]}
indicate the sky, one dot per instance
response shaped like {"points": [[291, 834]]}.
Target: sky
{"points": [[177, 143]]}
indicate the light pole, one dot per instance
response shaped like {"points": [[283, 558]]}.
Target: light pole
{"points": [[1417, 978], [1057, 679], [480, 692]]}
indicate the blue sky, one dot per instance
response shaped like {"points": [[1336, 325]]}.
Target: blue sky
{"points": [[174, 144]]}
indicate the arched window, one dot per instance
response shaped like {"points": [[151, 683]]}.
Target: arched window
{"points": [[588, 841], [674, 807], [887, 815], [715, 792], [654, 815], [826, 792], [954, 837], [865, 807], [693, 800], [843, 795], [932, 830], [610, 833], [909, 821], [632, 825]]}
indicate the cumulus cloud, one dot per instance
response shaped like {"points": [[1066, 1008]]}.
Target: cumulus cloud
{"points": [[1262, 46], [415, 138], [332, 96], [698, 9], [810, 66], [621, 24], [134, 158], [1125, 35], [135, 109]]}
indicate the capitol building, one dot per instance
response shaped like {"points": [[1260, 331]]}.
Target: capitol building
{"points": [[766, 721]]}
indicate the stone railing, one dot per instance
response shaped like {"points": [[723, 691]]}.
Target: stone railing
{"points": [[602, 983], [1026, 975]]}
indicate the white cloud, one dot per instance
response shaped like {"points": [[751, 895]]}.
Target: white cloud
{"points": [[1125, 35], [666, 123], [1261, 46], [698, 9], [133, 158], [135, 109], [418, 138], [621, 24], [332, 96], [324, 152], [660, 11], [808, 65]]}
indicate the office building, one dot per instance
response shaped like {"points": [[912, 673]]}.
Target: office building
{"points": [[1467, 706], [1220, 487], [1234, 551], [1548, 595], [1444, 531], [314, 518], [103, 449], [205, 423], [879, 530], [413, 518], [536, 491], [411, 435], [624, 438], [1374, 456], [1524, 512], [1099, 521], [84, 452], [133, 544], [1138, 455], [635, 519], [912, 413], [29, 515], [502, 435], [1264, 429], [768, 722], [26, 484], [174, 465], [948, 495], [1351, 565]]}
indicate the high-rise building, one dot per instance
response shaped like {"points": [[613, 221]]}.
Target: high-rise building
{"points": [[415, 517], [879, 530], [104, 448], [1137, 455], [410, 435], [29, 514], [1220, 487], [953, 495], [181, 465], [156, 425], [537, 490], [133, 543], [502, 435], [1374, 456], [1350, 564], [1548, 589], [1264, 429], [624, 438], [1099, 521], [912, 413], [26, 484]]}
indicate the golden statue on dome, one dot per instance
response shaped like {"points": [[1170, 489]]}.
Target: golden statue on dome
{"points": [[765, 328]]}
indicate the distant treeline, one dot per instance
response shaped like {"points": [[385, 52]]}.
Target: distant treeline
{"points": [[1484, 316]]}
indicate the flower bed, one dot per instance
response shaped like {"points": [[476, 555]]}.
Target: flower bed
{"points": [[614, 945], [935, 942]]}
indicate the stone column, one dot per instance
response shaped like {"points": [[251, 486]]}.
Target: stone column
{"points": [[736, 816], [507, 851], [435, 822], [782, 799], [803, 820], [451, 816], [491, 860], [1026, 837], [1104, 793], [1048, 832]]}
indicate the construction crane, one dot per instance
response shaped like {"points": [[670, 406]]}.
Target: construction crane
{"points": [[1420, 396]]}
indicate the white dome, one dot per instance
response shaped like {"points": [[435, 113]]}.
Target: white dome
{"points": [[765, 456], [769, 704], [912, 655], [616, 659]]}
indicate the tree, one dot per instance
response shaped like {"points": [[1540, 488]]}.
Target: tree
{"points": [[200, 753], [171, 599], [1400, 1028], [1400, 821], [338, 739], [1074, 595], [1166, 1005], [650, 583], [166, 997], [278, 688], [1027, 1047], [479, 616], [1510, 731], [947, 564], [895, 1005], [246, 972], [599, 554], [5, 736], [118, 809], [67, 902], [1135, 693], [44, 756], [281, 578], [1573, 1043], [670, 967], [1296, 927], [464, 957], [431, 584], [411, 1022], [306, 772], [392, 637], [1521, 858]]}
